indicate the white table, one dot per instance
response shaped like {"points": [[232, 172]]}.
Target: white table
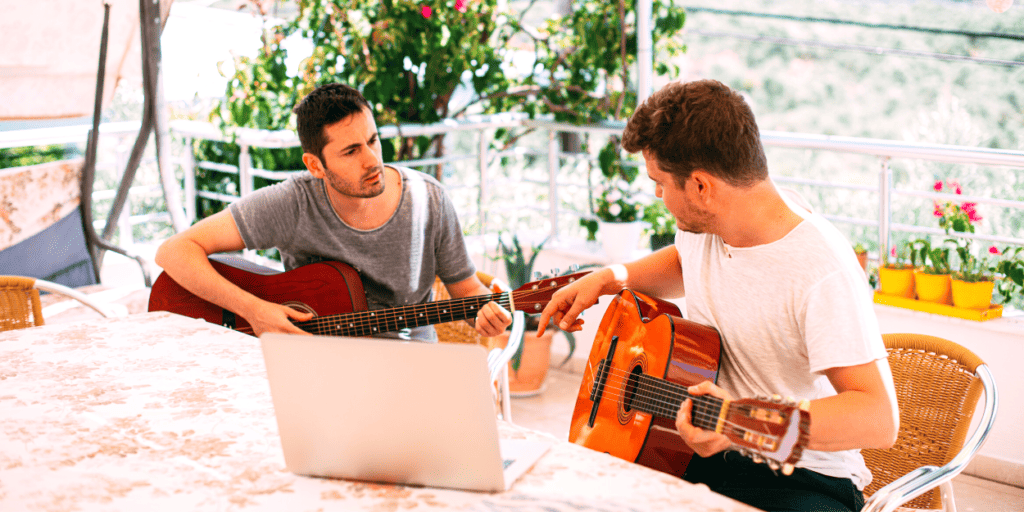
{"points": [[161, 412]]}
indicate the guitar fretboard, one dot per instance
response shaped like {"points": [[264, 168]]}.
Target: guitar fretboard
{"points": [[662, 398], [368, 323]]}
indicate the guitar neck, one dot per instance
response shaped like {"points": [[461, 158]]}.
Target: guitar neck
{"points": [[376, 321], [662, 398]]}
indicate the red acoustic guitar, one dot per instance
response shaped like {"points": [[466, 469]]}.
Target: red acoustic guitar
{"points": [[644, 357], [334, 292]]}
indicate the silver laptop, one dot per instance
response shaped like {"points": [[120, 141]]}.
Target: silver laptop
{"points": [[391, 411]]}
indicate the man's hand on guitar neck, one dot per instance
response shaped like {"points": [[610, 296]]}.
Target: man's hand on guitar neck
{"points": [[266, 316], [703, 442]]}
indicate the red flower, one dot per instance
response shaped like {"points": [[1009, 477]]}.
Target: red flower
{"points": [[938, 186], [970, 210], [460, 5], [956, 186], [993, 250], [426, 11]]}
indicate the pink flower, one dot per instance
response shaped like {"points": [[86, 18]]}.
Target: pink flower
{"points": [[938, 209], [460, 5], [426, 11], [893, 252], [971, 211], [993, 250], [956, 186], [938, 186]]}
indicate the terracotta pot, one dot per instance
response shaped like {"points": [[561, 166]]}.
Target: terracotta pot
{"points": [[894, 281], [933, 287], [972, 295], [529, 379], [862, 258]]}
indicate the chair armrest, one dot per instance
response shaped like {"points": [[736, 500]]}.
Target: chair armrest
{"points": [[923, 479], [59, 289], [498, 360]]}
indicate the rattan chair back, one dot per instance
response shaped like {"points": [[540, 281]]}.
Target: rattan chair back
{"points": [[19, 303], [937, 389], [460, 331]]}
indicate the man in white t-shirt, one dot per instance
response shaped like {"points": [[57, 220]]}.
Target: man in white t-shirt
{"points": [[781, 285]]}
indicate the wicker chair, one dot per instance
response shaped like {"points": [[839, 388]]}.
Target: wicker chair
{"points": [[20, 306], [499, 353], [938, 384]]}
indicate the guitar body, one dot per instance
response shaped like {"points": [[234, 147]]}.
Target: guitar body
{"points": [[652, 339], [324, 288]]}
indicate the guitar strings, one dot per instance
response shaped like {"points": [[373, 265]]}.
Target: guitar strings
{"points": [[666, 395], [362, 322], [698, 412]]}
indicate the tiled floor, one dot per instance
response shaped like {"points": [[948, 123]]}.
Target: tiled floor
{"points": [[551, 412]]}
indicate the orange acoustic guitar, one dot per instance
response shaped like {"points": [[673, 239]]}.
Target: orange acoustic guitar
{"points": [[644, 357], [333, 291]]}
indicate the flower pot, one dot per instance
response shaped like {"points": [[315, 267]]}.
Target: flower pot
{"points": [[933, 287], [862, 258], [972, 295], [620, 239], [896, 281], [529, 379]]}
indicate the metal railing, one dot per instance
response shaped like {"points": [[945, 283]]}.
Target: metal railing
{"points": [[485, 160]]}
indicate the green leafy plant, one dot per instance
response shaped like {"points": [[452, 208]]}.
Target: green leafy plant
{"points": [[956, 217], [617, 201], [899, 260], [974, 269], [661, 224], [934, 260], [1011, 266], [519, 271]]}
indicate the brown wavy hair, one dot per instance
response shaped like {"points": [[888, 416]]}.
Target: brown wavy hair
{"points": [[326, 105], [699, 125]]}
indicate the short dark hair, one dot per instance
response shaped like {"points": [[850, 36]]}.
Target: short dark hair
{"points": [[699, 125], [326, 105]]}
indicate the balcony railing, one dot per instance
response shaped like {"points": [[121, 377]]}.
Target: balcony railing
{"points": [[484, 177]]}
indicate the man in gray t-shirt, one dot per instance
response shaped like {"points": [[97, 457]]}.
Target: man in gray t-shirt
{"points": [[396, 226]]}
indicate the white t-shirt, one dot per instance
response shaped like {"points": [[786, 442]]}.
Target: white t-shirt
{"points": [[786, 311]]}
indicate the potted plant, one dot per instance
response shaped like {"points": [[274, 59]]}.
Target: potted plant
{"points": [[528, 368], [896, 274], [932, 280], [661, 225], [973, 282], [862, 255]]}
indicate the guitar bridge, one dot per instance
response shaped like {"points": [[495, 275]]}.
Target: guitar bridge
{"points": [[599, 381]]}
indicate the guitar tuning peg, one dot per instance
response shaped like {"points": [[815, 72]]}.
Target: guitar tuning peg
{"points": [[556, 271], [787, 469], [805, 405], [574, 268], [774, 465], [790, 401], [756, 458], [777, 398], [537, 275]]}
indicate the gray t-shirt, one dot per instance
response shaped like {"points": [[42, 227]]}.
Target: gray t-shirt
{"points": [[397, 261], [787, 311]]}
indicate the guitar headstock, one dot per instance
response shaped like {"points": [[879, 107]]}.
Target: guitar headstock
{"points": [[532, 297], [773, 431]]}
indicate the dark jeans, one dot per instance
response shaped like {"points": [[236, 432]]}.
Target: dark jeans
{"points": [[746, 481]]}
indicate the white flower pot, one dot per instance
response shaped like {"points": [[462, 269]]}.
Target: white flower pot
{"points": [[620, 239]]}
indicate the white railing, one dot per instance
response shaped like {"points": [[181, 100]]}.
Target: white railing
{"points": [[484, 161]]}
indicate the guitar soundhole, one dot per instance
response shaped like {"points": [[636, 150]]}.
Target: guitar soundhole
{"points": [[631, 384]]}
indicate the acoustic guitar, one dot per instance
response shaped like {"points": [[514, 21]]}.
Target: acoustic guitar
{"points": [[644, 357], [334, 293]]}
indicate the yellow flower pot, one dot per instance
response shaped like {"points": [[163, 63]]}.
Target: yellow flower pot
{"points": [[972, 295], [933, 287], [896, 281]]}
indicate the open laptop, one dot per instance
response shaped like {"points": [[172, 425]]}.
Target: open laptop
{"points": [[391, 411]]}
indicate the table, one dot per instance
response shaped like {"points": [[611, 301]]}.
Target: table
{"points": [[157, 411]]}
